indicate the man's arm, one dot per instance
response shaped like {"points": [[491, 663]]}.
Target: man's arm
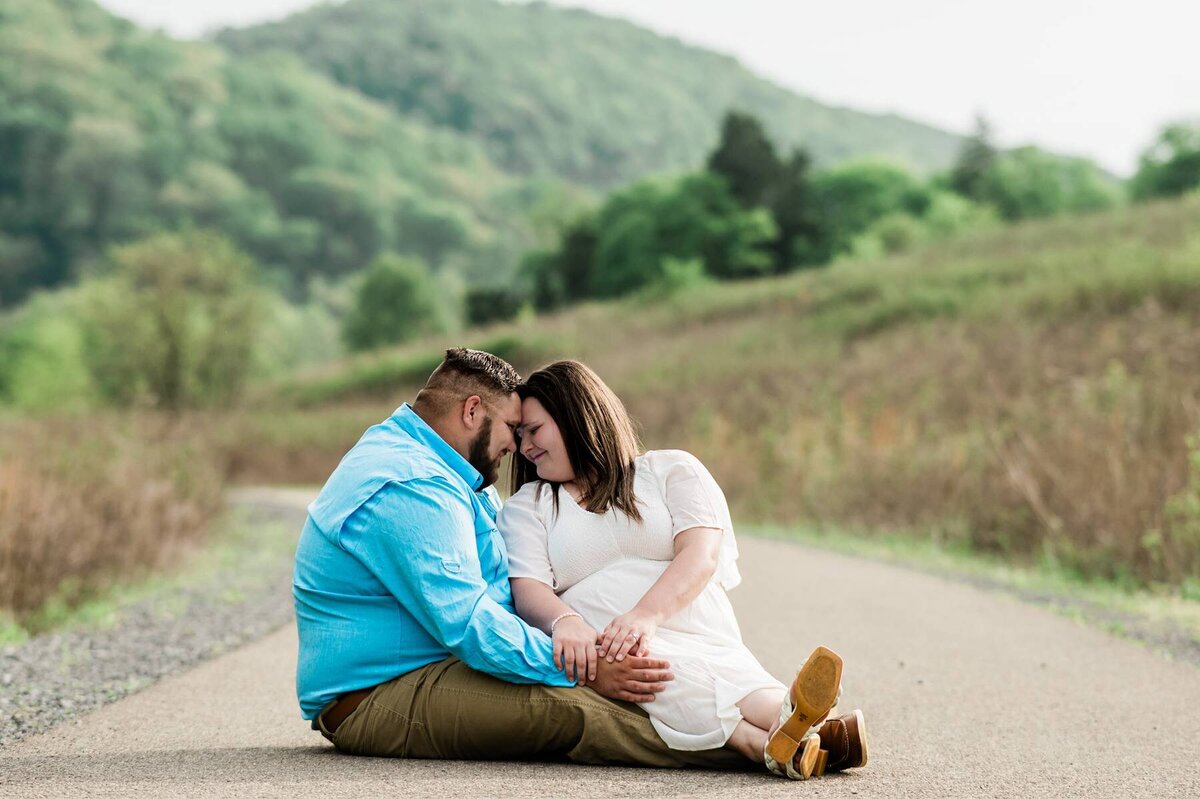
{"points": [[418, 539]]}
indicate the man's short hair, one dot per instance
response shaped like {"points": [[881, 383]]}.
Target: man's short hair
{"points": [[461, 374]]}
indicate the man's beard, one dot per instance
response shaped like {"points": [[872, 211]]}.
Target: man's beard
{"points": [[478, 455]]}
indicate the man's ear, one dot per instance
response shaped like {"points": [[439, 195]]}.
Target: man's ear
{"points": [[473, 412]]}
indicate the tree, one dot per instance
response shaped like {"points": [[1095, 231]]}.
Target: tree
{"points": [[1028, 182], [852, 196], [746, 159], [428, 231], [701, 218], [793, 206], [628, 255], [1170, 166], [969, 176], [696, 217], [397, 300], [174, 323], [486, 304], [353, 223]]}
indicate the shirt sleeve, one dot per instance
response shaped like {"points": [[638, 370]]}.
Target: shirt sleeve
{"points": [[694, 499], [525, 537], [419, 541]]}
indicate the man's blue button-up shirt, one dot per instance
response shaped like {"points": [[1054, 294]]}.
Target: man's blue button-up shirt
{"points": [[400, 565]]}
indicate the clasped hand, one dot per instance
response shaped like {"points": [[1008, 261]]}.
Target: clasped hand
{"points": [[635, 679]]}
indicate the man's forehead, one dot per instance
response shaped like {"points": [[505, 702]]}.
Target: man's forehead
{"points": [[510, 409]]}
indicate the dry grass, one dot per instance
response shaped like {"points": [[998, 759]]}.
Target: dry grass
{"points": [[84, 500], [289, 446]]}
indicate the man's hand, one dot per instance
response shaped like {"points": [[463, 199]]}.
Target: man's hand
{"points": [[634, 679]]}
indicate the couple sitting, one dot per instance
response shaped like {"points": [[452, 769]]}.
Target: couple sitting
{"points": [[586, 619]]}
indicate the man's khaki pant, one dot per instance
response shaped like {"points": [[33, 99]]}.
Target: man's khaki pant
{"points": [[446, 710]]}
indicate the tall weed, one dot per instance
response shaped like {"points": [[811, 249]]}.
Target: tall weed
{"points": [[88, 499]]}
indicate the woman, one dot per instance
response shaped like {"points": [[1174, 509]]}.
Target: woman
{"points": [[640, 547]]}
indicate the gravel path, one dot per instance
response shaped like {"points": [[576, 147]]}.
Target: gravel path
{"points": [[57, 677]]}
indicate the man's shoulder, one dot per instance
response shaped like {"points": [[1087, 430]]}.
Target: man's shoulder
{"points": [[385, 455]]}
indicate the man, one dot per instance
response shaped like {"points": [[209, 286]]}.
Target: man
{"points": [[409, 643]]}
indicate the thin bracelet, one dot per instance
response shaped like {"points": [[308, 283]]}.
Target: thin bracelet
{"points": [[566, 615]]}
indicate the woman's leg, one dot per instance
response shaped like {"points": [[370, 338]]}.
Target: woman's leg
{"points": [[761, 707], [748, 741], [760, 710]]}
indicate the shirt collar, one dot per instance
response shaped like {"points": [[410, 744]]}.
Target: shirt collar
{"points": [[415, 426]]}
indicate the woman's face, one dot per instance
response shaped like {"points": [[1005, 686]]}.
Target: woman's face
{"points": [[542, 444]]}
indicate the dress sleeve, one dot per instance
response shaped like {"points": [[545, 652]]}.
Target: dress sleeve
{"points": [[525, 537], [695, 500]]}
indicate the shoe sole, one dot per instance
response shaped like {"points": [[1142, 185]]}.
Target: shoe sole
{"points": [[813, 694], [808, 761]]}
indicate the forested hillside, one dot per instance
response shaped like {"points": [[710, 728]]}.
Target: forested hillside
{"points": [[109, 133], [567, 92]]}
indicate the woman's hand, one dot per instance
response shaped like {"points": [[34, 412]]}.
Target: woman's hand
{"points": [[628, 634], [575, 648]]}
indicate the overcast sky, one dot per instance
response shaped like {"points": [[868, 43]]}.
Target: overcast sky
{"points": [[1076, 76]]}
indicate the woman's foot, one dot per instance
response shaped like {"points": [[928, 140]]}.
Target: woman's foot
{"points": [[804, 762], [812, 695]]}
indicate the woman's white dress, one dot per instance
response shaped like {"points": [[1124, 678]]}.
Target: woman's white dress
{"points": [[602, 564]]}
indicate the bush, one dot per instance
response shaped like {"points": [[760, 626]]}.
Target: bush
{"points": [[677, 275], [41, 356], [1171, 166], [85, 500], [397, 300], [491, 304], [1028, 182], [174, 323]]}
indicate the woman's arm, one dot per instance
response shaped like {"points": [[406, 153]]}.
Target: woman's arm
{"points": [[694, 564], [537, 603], [574, 639]]}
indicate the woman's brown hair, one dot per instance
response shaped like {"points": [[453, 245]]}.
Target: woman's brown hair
{"points": [[598, 433]]}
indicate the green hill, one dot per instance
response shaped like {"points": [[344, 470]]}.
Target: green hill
{"points": [[566, 92], [108, 132], [1028, 391]]}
